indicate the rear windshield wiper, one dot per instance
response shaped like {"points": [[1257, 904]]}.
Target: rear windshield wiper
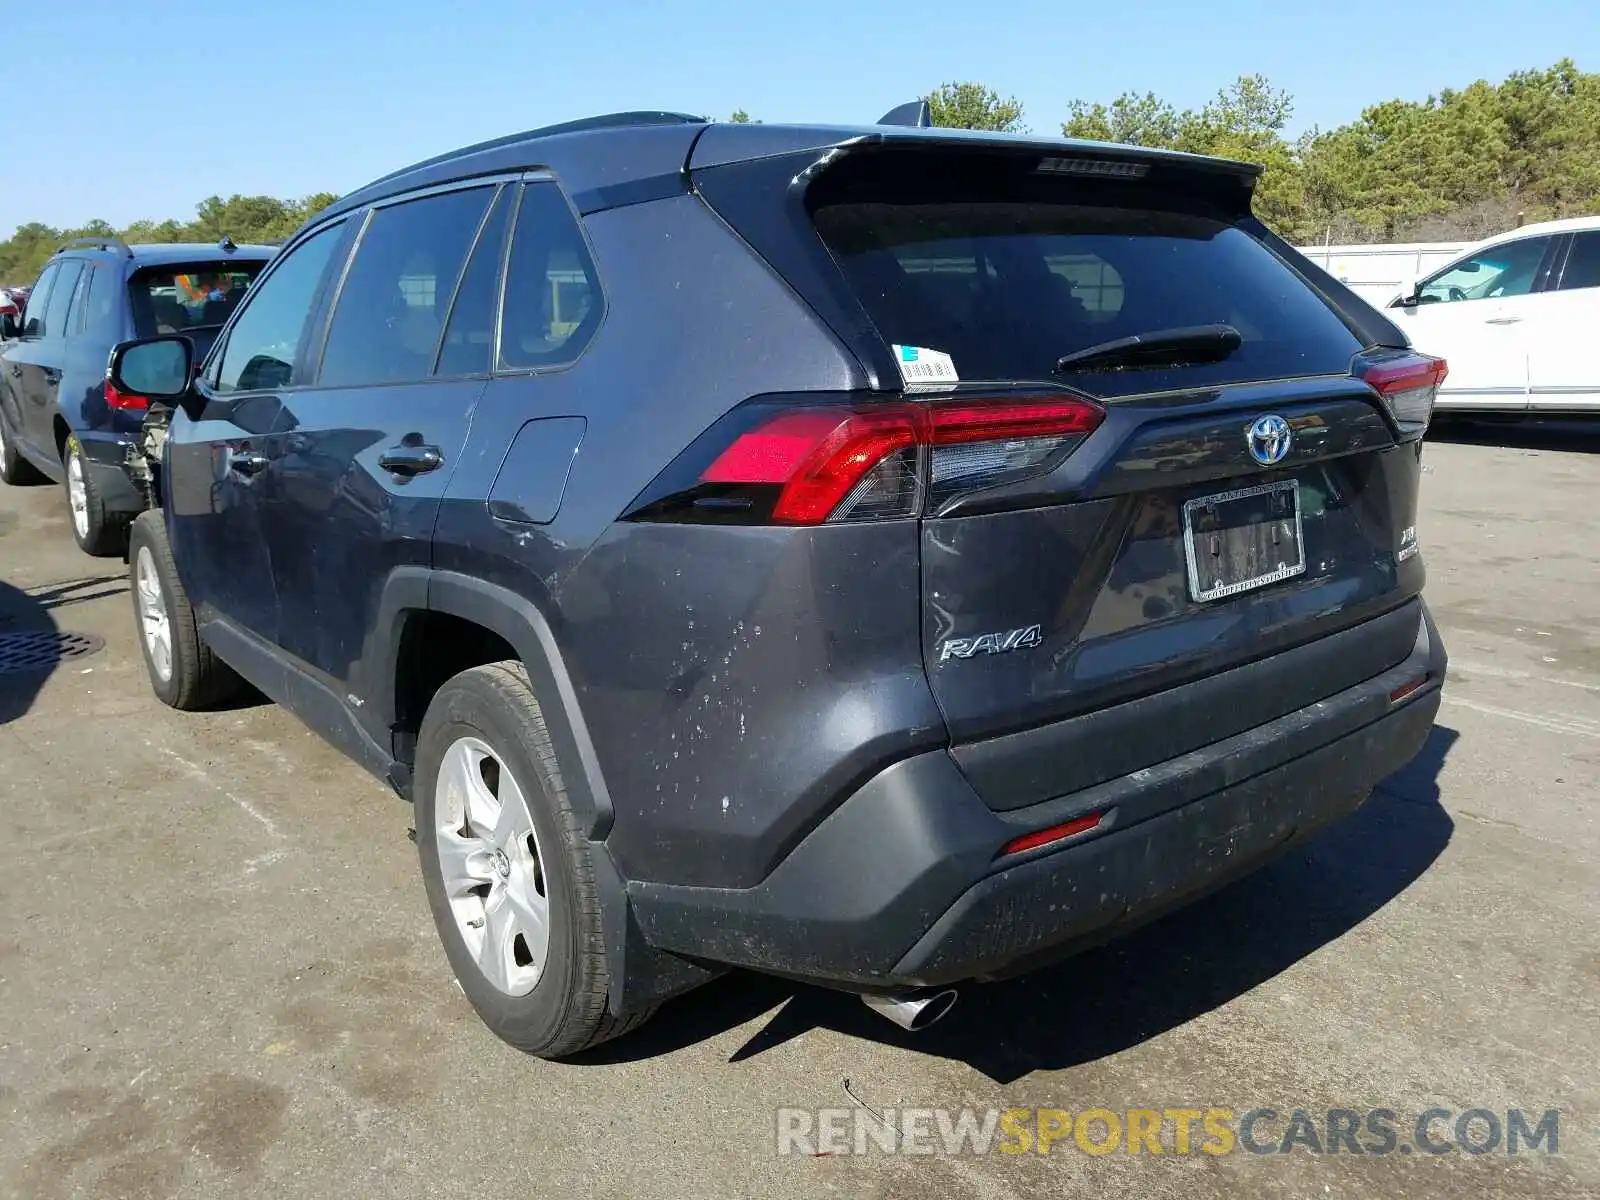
{"points": [[1160, 347]]}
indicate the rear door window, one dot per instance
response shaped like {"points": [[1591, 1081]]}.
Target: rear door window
{"points": [[1008, 284], [1583, 262], [80, 302], [176, 299], [66, 285], [390, 312], [469, 335]]}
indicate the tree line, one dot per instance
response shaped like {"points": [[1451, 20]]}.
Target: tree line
{"points": [[1459, 165], [243, 218]]}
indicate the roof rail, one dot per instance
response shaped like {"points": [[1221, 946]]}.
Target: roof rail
{"points": [[109, 242], [915, 113], [621, 120]]}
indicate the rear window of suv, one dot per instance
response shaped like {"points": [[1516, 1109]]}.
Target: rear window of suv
{"points": [[191, 296], [1009, 277]]}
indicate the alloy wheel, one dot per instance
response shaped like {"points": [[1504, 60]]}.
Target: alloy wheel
{"points": [[153, 622], [78, 494], [491, 866]]}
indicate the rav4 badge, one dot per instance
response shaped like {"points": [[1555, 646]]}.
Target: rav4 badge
{"points": [[991, 643]]}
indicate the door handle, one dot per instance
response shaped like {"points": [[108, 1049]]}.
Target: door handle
{"points": [[407, 461], [1502, 320], [247, 462]]}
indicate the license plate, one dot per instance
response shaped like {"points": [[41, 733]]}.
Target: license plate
{"points": [[1243, 539]]}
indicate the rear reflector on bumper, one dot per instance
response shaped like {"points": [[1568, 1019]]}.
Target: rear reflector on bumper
{"points": [[1410, 688], [1056, 833]]}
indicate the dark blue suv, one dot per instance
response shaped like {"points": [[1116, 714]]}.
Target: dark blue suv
{"points": [[885, 557], [57, 417]]}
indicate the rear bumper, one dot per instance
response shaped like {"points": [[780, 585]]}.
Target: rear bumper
{"points": [[899, 885]]}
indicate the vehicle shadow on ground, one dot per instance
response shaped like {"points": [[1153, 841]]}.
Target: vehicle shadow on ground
{"points": [[1553, 433], [21, 613], [80, 591], [1124, 993]]}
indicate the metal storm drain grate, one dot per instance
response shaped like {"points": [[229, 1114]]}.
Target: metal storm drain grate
{"points": [[42, 649]]}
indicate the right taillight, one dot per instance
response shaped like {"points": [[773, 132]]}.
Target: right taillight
{"points": [[811, 464], [1409, 383]]}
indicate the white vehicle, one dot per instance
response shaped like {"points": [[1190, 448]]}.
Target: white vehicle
{"points": [[1517, 318]]}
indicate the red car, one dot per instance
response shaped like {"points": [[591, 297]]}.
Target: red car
{"points": [[13, 301]]}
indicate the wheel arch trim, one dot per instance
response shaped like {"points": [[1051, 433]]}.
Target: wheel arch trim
{"points": [[521, 623]]}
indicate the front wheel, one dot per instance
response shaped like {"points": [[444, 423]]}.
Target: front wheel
{"points": [[184, 673], [507, 867]]}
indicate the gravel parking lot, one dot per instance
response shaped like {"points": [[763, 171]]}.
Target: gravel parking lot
{"points": [[218, 975]]}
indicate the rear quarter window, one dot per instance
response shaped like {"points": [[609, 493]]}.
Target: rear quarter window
{"points": [[98, 313], [553, 302], [1008, 283]]}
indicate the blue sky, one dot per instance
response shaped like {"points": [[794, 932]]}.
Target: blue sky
{"points": [[126, 108]]}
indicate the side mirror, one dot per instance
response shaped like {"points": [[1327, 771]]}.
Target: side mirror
{"points": [[1408, 294], [159, 369], [10, 325]]}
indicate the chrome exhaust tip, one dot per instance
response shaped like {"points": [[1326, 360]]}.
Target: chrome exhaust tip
{"points": [[913, 1011]]}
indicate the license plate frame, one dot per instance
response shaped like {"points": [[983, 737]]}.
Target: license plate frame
{"points": [[1221, 587]]}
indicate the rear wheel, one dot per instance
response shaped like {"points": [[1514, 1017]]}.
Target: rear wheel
{"points": [[507, 867], [98, 532], [184, 673]]}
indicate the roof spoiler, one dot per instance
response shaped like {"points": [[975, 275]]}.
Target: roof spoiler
{"points": [[916, 113]]}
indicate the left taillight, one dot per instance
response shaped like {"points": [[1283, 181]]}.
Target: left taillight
{"points": [[1409, 384], [816, 464]]}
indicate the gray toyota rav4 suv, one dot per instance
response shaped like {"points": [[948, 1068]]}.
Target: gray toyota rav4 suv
{"points": [[886, 557]]}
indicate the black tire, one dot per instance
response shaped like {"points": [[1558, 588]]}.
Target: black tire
{"points": [[566, 1011], [105, 535], [14, 468], [196, 678]]}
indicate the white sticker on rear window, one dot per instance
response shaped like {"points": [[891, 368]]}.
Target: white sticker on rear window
{"points": [[921, 367]]}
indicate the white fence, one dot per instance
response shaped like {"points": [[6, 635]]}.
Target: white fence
{"points": [[1377, 273]]}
